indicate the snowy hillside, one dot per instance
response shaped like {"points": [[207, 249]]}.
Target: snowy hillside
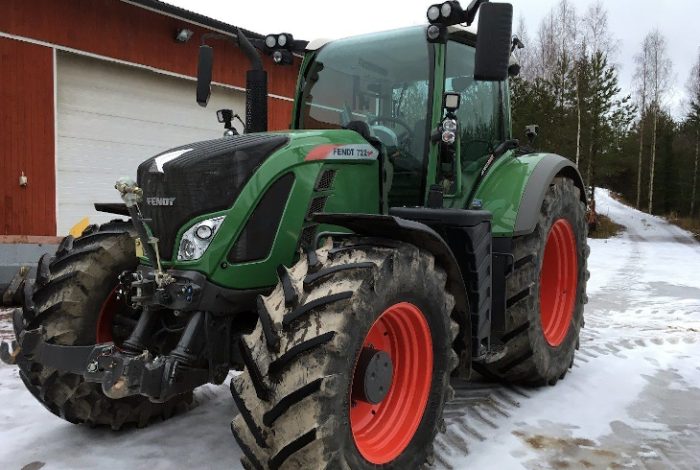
{"points": [[631, 400]]}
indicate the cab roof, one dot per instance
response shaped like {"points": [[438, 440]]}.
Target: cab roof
{"points": [[457, 29]]}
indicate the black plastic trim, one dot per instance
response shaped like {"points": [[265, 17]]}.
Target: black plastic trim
{"points": [[258, 235], [536, 187], [468, 234], [118, 208]]}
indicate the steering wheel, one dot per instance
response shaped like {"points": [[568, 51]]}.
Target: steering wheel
{"points": [[405, 136]]}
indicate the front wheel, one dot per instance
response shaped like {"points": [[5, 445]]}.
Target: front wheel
{"points": [[75, 300], [349, 364]]}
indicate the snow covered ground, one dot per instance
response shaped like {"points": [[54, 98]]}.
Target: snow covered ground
{"points": [[631, 401]]}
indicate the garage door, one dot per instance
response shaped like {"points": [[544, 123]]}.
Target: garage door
{"points": [[111, 117]]}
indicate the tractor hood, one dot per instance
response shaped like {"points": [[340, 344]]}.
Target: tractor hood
{"points": [[199, 178]]}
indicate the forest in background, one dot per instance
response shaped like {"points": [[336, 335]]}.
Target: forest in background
{"points": [[626, 141]]}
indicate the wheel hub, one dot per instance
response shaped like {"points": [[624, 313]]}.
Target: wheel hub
{"points": [[373, 376]]}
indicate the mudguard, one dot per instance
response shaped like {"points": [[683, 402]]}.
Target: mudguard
{"points": [[514, 189], [416, 233]]}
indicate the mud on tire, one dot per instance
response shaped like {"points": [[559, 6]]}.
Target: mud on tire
{"points": [[294, 395], [65, 299], [530, 359]]}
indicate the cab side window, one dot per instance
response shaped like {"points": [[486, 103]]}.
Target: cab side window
{"points": [[480, 110]]}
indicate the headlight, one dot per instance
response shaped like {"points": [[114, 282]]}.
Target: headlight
{"points": [[204, 232], [449, 137], [449, 125], [282, 40], [270, 41], [197, 238]]}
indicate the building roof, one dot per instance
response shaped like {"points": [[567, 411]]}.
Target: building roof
{"points": [[193, 17]]}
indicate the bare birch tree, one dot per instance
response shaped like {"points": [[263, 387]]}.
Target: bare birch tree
{"points": [[659, 76], [546, 49], [596, 30], [526, 56], [642, 81]]}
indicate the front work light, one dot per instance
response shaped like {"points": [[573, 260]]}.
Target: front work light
{"points": [[450, 13], [279, 41], [433, 13], [446, 10]]}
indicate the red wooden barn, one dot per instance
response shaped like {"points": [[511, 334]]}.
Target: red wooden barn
{"points": [[90, 88]]}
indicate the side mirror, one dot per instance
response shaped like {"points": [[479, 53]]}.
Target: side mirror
{"points": [[493, 42], [531, 131], [450, 102], [204, 72]]}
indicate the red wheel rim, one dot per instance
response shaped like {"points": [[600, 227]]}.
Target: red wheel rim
{"points": [[105, 320], [382, 431], [558, 282]]}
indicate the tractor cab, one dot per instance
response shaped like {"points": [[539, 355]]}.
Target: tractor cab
{"points": [[391, 88]]}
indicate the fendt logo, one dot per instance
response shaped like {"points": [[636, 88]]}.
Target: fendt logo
{"points": [[160, 201]]}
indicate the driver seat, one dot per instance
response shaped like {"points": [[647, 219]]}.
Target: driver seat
{"points": [[362, 128]]}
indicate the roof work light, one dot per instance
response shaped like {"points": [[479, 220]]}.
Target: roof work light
{"points": [[442, 15], [279, 46]]}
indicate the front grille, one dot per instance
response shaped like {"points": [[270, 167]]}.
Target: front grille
{"points": [[202, 178]]}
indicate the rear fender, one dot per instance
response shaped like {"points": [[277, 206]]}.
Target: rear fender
{"points": [[514, 189]]}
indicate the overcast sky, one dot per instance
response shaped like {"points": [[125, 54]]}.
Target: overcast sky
{"points": [[629, 21]]}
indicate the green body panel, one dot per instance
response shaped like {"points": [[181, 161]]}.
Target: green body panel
{"points": [[501, 190], [345, 196]]}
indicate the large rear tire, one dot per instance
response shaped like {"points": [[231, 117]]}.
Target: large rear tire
{"points": [[546, 293], [298, 399], [73, 299]]}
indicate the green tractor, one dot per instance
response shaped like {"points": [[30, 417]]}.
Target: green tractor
{"points": [[396, 236]]}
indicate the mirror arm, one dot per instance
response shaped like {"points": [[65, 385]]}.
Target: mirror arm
{"points": [[503, 147], [249, 50], [471, 10]]}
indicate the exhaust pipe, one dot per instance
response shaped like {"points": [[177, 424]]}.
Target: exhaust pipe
{"points": [[255, 88]]}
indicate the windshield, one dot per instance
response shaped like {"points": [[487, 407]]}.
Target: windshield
{"points": [[381, 79]]}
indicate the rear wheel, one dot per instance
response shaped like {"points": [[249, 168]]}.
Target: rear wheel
{"points": [[76, 300], [546, 293], [349, 364]]}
